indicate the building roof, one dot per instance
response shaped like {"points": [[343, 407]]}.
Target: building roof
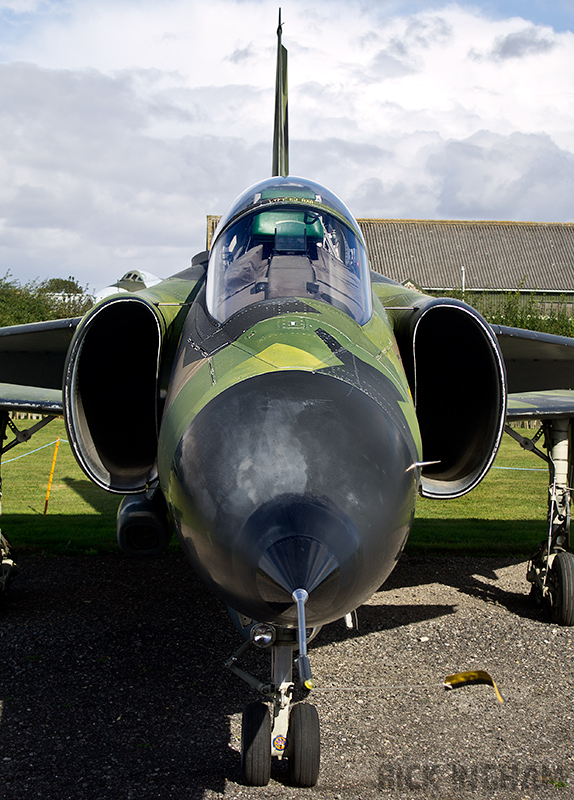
{"points": [[495, 255]]}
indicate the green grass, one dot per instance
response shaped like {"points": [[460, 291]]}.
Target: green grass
{"points": [[504, 515], [80, 516]]}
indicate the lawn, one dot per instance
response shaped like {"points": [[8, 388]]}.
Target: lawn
{"points": [[80, 517], [504, 515]]}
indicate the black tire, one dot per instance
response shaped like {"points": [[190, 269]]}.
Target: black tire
{"points": [[562, 576], [536, 596], [256, 745], [304, 743]]}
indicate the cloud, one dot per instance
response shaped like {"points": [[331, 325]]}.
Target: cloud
{"points": [[389, 64], [21, 6], [426, 31], [403, 47], [242, 54], [123, 124], [86, 187], [519, 177], [529, 41], [423, 176]]}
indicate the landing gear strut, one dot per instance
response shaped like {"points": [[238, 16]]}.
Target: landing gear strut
{"points": [[8, 567], [551, 568], [284, 729]]}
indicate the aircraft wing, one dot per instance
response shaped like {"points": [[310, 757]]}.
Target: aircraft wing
{"points": [[540, 373], [32, 361], [540, 405]]}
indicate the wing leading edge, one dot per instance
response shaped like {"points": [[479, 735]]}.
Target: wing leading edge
{"points": [[32, 361]]}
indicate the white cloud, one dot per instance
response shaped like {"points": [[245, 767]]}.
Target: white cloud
{"points": [[123, 124], [524, 177]]}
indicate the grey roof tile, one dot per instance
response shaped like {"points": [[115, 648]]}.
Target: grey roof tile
{"points": [[495, 255]]}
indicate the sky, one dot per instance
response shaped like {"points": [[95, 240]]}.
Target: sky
{"points": [[124, 123]]}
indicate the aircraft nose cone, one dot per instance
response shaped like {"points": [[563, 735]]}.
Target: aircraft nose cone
{"points": [[294, 480], [297, 562], [300, 542]]}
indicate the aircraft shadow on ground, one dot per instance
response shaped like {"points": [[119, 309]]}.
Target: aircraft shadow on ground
{"points": [[470, 575], [102, 502], [467, 574], [132, 686]]}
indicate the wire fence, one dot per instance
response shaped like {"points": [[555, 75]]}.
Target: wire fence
{"points": [[31, 452]]}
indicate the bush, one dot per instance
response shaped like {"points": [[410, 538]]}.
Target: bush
{"points": [[529, 311], [35, 301]]}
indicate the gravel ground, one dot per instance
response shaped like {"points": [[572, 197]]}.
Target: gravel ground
{"points": [[112, 686]]}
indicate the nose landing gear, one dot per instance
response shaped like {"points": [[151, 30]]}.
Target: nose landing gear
{"points": [[283, 730]]}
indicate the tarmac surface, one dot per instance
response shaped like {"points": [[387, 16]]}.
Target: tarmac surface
{"points": [[112, 685]]}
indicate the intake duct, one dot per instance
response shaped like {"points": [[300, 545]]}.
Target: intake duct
{"points": [[456, 373], [110, 394]]}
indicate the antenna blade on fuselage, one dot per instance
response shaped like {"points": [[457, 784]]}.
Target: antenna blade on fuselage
{"points": [[281, 127]]}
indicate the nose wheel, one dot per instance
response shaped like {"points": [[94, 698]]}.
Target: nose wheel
{"points": [[304, 745], [256, 745]]}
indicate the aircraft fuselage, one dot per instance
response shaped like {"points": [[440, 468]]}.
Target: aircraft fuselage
{"points": [[288, 441]]}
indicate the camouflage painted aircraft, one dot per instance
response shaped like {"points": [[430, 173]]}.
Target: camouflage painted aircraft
{"points": [[280, 406]]}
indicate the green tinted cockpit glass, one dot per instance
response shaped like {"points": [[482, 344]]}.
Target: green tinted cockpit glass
{"points": [[266, 223], [288, 250]]}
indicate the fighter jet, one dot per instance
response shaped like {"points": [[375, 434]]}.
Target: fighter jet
{"points": [[280, 406]]}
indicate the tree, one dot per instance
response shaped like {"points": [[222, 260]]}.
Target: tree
{"points": [[67, 285], [56, 298]]}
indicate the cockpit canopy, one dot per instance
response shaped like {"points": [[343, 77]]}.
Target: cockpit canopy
{"points": [[288, 237]]}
